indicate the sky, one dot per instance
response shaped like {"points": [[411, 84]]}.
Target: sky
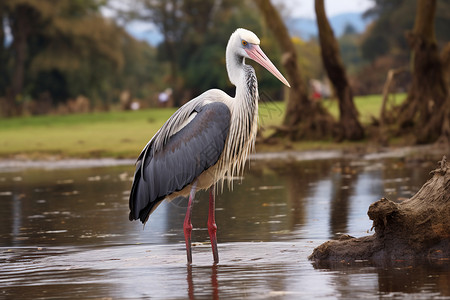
{"points": [[305, 8]]}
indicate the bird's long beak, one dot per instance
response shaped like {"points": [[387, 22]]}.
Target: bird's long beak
{"points": [[258, 55]]}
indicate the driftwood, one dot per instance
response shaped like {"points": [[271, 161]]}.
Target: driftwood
{"points": [[417, 228]]}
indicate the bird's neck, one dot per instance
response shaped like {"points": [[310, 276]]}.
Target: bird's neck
{"points": [[243, 77], [247, 85], [245, 103], [244, 121], [235, 64]]}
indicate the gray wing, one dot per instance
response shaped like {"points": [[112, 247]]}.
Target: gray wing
{"points": [[169, 163]]}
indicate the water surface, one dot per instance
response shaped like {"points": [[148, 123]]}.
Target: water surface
{"points": [[64, 233]]}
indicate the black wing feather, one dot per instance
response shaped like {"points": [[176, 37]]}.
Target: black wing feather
{"points": [[186, 154]]}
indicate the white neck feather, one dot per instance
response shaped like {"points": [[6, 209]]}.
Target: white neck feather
{"points": [[234, 61]]}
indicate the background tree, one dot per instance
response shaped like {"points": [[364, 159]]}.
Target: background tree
{"points": [[64, 49], [426, 109], [23, 18], [304, 118], [349, 48], [171, 21], [3, 49], [39, 30], [384, 45], [396, 17], [350, 128]]}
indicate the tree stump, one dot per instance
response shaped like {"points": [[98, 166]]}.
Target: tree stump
{"points": [[417, 228]]}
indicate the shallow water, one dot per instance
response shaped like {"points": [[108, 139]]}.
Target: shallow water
{"points": [[64, 233]]}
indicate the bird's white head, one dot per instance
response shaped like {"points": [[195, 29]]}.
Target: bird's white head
{"points": [[245, 44]]}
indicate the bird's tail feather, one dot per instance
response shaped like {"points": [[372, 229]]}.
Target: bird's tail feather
{"points": [[140, 206]]}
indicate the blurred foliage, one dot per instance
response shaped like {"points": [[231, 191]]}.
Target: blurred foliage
{"points": [[393, 18], [310, 62], [350, 50], [384, 45], [71, 50]]}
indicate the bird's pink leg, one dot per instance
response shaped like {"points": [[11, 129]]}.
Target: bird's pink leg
{"points": [[187, 225], [212, 227]]}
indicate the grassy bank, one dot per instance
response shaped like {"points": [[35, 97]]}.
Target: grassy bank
{"points": [[123, 134], [111, 134]]}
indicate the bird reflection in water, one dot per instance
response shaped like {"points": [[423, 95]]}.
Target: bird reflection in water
{"points": [[214, 282]]}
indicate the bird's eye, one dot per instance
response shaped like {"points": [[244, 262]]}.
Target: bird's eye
{"points": [[244, 43]]}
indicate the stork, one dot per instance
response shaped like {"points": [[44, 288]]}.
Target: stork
{"points": [[205, 141]]}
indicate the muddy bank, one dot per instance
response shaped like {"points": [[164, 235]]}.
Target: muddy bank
{"points": [[366, 153], [7, 165], [415, 229], [57, 162]]}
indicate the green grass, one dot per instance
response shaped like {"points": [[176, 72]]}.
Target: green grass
{"points": [[124, 134], [272, 113], [111, 134], [367, 106]]}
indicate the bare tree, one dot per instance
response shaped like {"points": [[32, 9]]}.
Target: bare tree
{"points": [[350, 128], [304, 119]]}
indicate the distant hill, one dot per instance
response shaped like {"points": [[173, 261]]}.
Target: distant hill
{"points": [[307, 28], [303, 27]]}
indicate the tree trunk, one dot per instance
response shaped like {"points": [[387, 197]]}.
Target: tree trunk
{"points": [[3, 53], [350, 128], [426, 108], [303, 119], [20, 28], [417, 228]]}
